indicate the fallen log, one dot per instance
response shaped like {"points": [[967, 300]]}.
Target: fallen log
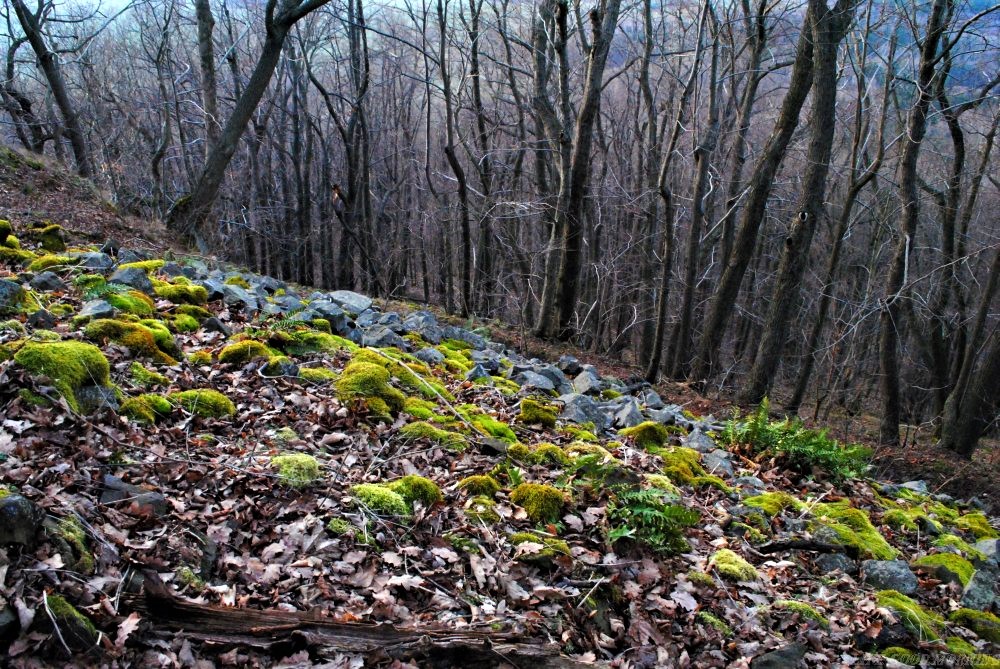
{"points": [[281, 633], [807, 545]]}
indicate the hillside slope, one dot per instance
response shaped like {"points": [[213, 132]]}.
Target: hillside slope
{"points": [[172, 430]]}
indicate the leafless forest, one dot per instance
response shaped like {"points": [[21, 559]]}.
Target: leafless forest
{"points": [[793, 199]]}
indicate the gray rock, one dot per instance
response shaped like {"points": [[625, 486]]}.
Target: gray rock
{"points": [[392, 321], [919, 487], [429, 355], [305, 316], [42, 320], [367, 319], [477, 372], [239, 298], [101, 262], [651, 399], [529, 379], [351, 302], [20, 520], [829, 562], [559, 381], [213, 324], [134, 277], [587, 382], [97, 309], [96, 398], [751, 482], [579, 408], [173, 269], [339, 321], [47, 281], [989, 548], [425, 324], [130, 255], [489, 360], [699, 441], [569, 365], [11, 296], [788, 657], [625, 412], [288, 303], [270, 285], [272, 309], [474, 340], [668, 415], [281, 367], [140, 500], [981, 591], [381, 336], [718, 462], [889, 575], [215, 288]]}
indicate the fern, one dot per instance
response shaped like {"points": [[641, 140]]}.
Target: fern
{"points": [[105, 289], [646, 516]]}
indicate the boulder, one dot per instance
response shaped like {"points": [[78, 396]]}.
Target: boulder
{"points": [[47, 281], [624, 412], [919, 487], [96, 398], [587, 382], [20, 520], [569, 365], [477, 372], [382, 336], [134, 277], [752, 482], [11, 296], [430, 356], [981, 591], [392, 321], [139, 501], [559, 381], [97, 309], [474, 340], [579, 408], [213, 324], [651, 399], [889, 575], [489, 360], [668, 415], [339, 321], [529, 379], [718, 462], [830, 562], [425, 324], [214, 287], [351, 302], [239, 298], [131, 255], [42, 320], [699, 441], [101, 262]]}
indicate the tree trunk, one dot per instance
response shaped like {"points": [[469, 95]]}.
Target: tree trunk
{"points": [[206, 61]]}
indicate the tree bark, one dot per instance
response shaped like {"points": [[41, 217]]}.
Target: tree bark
{"points": [[206, 60]]}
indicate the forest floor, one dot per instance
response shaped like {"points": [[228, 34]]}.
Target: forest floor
{"points": [[177, 539]]}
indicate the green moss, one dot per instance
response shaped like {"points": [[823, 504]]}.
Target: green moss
{"points": [[69, 364], [71, 621], [370, 383], [238, 281], [959, 646], [414, 488], [647, 434], [32, 399], [340, 527], [418, 408], [145, 377], [189, 579], [506, 387], [192, 310], [424, 430], [774, 503], [455, 359], [949, 563], [983, 623], [163, 337], [534, 412], [700, 578], [899, 519], [144, 265], [146, 408], [731, 566], [318, 374], [70, 531], [493, 428], [12, 326], [610, 394], [953, 541], [682, 466], [276, 365], [88, 282], [49, 237], [48, 261], [664, 483], [184, 323], [10, 241], [716, 623], [977, 524], [200, 358], [750, 533], [302, 342], [583, 432], [5, 228], [578, 449], [297, 469], [140, 339], [480, 485], [16, 257], [901, 655], [243, 351], [131, 302], [407, 370], [551, 547], [922, 623], [380, 499], [805, 611], [480, 509], [322, 325], [542, 503], [853, 528], [205, 403], [182, 294], [520, 453], [550, 454]]}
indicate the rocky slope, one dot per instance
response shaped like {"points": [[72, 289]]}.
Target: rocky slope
{"points": [[230, 440]]}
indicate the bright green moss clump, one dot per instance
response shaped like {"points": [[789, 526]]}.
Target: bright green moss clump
{"points": [[805, 611], [411, 373], [414, 488], [147, 378], [418, 408], [200, 358], [853, 528], [424, 430], [69, 364], [732, 567], [192, 310], [243, 351], [977, 524], [184, 323], [774, 503], [297, 469], [901, 655], [714, 622], [15, 257], [480, 485], [922, 623], [550, 454], [182, 294], [144, 265], [647, 434], [683, 466], [76, 628], [238, 281], [369, 382], [534, 412], [542, 503], [551, 547], [340, 527], [317, 374], [983, 623], [49, 236], [302, 342], [481, 509], [950, 540], [140, 339], [380, 499], [945, 565], [70, 531], [131, 302], [48, 261], [146, 408], [204, 403], [492, 427]]}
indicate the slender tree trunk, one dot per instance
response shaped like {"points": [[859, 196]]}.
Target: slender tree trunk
{"points": [[206, 61]]}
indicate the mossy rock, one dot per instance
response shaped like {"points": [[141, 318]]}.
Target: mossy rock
{"points": [[550, 454], [380, 499], [131, 302], [480, 509], [244, 351], [924, 624], [49, 237], [491, 427], [5, 228], [75, 629], [140, 339], [49, 261], [410, 372], [947, 567], [304, 342], [731, 566], [370, 383], [647, 434], [205, 403], [200, 358], [424, 430], [184, 323], [479, 485], [551, 547], [420, 408], [853, 528], [144, 265], [77, 556], [297, 470], [977, 524], [16, 257], [70, 365], [773, 503], [238, 281], [541, 502], [192, 310], [534, 412], [714, 622], [145, 377], [146, 408], [682, 465], [983, 623], [317, 374], [805, 611], [413, 488], [956, 542], [182, 294]]}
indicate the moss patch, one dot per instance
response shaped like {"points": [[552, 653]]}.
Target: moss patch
{"points": [[481, 509], [924, 624], [414, 488], [946, 566], [318, 374], [140, 339], [853, 528], [424, 430], [774, 503], [977, 524], [380, 499], [297, 469], [370, 383], [76, 628], [534, 412], [205, 403], [146, 378], [542, 503], [551, 547], [480, 485], [708, 619], [418, 408], [131, 302], [647, 434], [731, 566], [805, 611], [69, 364], [48, 261], [146, 408], [983, 623], [182, 294], [16, 257], [243, 351], [144, 265], [682, 465]]}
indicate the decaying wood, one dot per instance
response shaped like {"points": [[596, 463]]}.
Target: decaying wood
{"points": [[283, 632], [807, 545]]}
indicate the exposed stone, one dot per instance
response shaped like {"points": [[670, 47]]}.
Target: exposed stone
{"points": [[981, 591], [173, 269], [392, 321], [477, 372], [559, 381], [625, 412], [425, 324], [651, 399], [529, 379], [699, 441], [96, 398], [587, 382], [488, 360], [240, 298], [130, 255], [11, 296], [787, 657], [829, 562], [48, 281], [668, 415], [889, 575], [474, 340], [213, 324], [135, 500], [42, 320], [9, 624], [97, 309], [216, 289], [339, 321], [382, 336], [428, 355], [750, 482], [989, 548], [569, 365], [20, 520], [134, 277], [718, 462], [919, 487], [579, 408], [351, 302], [101, 262], [306, 316], [288, 303], [270, 285]]}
